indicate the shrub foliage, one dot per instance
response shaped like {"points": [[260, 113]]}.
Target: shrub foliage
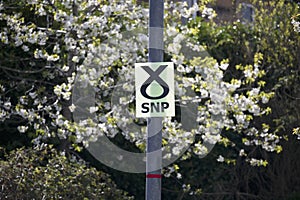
{"points": [[45, 173]]}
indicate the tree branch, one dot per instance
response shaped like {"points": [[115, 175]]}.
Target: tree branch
{"points": [[21, 71], [27, 79]]}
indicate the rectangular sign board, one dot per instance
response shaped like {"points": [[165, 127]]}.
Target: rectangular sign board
{"points": [[154, 89]]}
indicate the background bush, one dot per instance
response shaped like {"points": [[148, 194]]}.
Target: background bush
{"points": [[45, 173]]}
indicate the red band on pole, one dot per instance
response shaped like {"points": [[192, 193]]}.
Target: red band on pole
{"points": [[153, 176]]}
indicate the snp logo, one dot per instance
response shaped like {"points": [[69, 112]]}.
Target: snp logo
{"points": [[154, 84]]}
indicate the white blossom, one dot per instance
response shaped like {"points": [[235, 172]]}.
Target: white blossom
{"points": [[296, 25], [242, 153], [208, 12], [224, 66], [7, 105], [22, 129], [93, 109], [72, 108], [220, 159]]}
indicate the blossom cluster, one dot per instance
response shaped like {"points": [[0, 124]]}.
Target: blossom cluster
{"points": [[87, 53], [296, 23]]}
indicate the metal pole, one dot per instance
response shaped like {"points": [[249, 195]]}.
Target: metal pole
{"points": [[154, 124]]}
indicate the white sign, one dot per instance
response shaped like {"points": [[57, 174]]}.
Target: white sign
{"points": [[154, 89]]}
